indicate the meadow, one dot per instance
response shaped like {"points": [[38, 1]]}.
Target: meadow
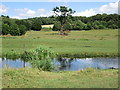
{"points": [[34, 78], [93, 43]]}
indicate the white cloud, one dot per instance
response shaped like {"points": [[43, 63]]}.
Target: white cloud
{"points": [[3, 9], [109, 9], [27, 13]]}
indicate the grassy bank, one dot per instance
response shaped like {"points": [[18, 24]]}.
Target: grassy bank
{"points": [[33, 78], [100, 43]]}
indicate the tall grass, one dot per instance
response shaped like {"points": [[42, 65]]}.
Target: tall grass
{"points": [[40, 57], [11, 55]]}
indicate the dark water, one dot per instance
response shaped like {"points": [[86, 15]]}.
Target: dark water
{"points": [[69, 64]]}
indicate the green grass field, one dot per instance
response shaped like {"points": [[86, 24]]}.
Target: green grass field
{"points": [[33, 78], [93, 42]]}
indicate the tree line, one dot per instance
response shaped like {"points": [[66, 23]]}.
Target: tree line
{"points": [[99, 21], [21, 26]]}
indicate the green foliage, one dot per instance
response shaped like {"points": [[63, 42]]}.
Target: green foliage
{"points": [[78, 25], [99, 21], [56, 27], [113, 26], [11, 55], [86, 27], [14, 30], [22, 29], [36, 25], [67, 26], [13, 26], [26, 23], [27, 56], [45, 65], [5, 29], [89, 26], [63, 13], [41, 58], [101, 27]]}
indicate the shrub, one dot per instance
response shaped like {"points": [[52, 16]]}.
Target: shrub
{"points": [[11, 55], [41, 58], [22, 29], [67, 26], [5, 29], [14, 30], [36, 25], [56, 27]]}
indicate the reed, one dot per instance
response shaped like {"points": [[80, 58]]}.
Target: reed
{"points": [[40, 58]]}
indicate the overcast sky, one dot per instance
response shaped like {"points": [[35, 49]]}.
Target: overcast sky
{"points": [[22, 10]]}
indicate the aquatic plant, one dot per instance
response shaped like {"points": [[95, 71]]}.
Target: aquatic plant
{"points": [[11, 55], [40, 57]]}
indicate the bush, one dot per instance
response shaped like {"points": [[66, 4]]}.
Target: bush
{"points": [[113, 26], [78, 25], [56, 27], [36, 25], [67, 26], [101, 27], [14, 30], [41, 58], [5, 29], [22, 29]]}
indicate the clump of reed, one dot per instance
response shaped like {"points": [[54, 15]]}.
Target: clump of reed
{"points": [[11, 55], [40, 58]]}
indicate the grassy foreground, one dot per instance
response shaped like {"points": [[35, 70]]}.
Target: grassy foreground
{"points": [[79, 43], [33, 78]]}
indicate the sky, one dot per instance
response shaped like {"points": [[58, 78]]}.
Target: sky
{"points": [[21, 10]]}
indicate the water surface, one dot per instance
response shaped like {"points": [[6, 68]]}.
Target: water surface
{"points": [[79, 64], [69, 64]]}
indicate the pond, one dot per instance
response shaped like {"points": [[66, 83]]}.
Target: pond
{"points": [[69, 64], [14, 63]]}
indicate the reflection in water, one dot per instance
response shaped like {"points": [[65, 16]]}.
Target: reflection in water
{"points": [[65, 62], [15, 63], [69, 64], [79, 64]]}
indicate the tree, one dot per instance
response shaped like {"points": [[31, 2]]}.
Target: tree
{"points": [[27, 23], [113, 26], [14, 30], [22, 29], [56, 26], [67, 26], [101, 26], [89, 26], [62, 14], [5, 29], [78, 25], [36, 25]]}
